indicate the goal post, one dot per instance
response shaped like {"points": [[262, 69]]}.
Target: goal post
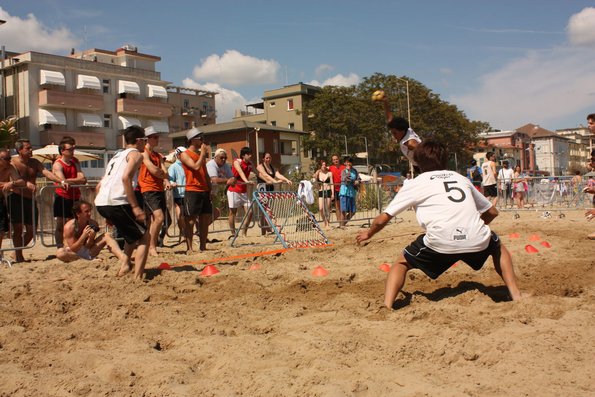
{"points": [[288, 218]]}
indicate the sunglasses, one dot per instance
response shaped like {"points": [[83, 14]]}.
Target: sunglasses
{"points": [[70, 149], [142, 139], [6, 158]]}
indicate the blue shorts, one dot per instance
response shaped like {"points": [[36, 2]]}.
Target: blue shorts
{"points": [[347, 204]]}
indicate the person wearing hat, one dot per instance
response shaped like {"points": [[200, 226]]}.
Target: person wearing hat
{"points": [[117, 202], [199, 195], [153, 179], [219, 171], [177, 179], [505, 176]]}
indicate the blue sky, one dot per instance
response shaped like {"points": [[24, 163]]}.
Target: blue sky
{"points": [[505, 62]]}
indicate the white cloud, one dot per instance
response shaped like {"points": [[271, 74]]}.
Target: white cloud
{"points": [[236, 69], [340, 80], [539, 88], [445, 70], [30, 34], [581, 28], [322, 69], [226, 102], [445, 82]]}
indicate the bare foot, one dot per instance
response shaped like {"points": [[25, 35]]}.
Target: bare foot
{"points": [[153, 252], [97, 260], [125, 266], [522, 295], [203, 248]]}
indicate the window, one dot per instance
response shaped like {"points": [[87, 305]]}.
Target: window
{"points": [[106, 86], [107, 121], [275, 146], [272, 104], [213, 149], [290, 104], [261, 145], [186, 125], [291, 126], [186, 103], [288, 148]]}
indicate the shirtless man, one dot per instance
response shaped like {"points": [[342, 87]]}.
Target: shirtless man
{"points": [[80, 237], [24, 170], [4, 184]]}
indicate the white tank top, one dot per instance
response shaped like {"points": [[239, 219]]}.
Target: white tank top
{"points": [[112, 189]]}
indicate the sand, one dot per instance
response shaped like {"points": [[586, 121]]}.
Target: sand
{"points": [[77, 330]]}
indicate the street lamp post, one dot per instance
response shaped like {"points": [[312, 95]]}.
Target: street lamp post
{"points": [[408, 117], [367, 154], [345, 136], [2, 79]]}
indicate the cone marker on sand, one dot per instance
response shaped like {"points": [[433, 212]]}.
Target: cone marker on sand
{"points": [[531, 249], [384, 267], [254, 267], [534, 237], [545, 244], [164, 266], [513, 235], [209, 270], [320, 271]]}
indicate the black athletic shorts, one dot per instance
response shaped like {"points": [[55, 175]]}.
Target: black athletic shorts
{"points": [[124, 220], [21, 213], [4, 226], [179, 201], [197, 203], [62, 207], [434, 263], [154, 201], [490, 191]]}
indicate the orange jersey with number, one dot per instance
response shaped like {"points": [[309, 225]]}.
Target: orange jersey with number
{"points": [[196, 181]]}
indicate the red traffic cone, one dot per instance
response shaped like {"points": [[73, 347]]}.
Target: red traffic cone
{"points": [[534, 237], [384, 267], [254, 267], [531, 249], [454, 264], [513, 235], [320, 271], [209, 270], [545, 244], [165, 266]]}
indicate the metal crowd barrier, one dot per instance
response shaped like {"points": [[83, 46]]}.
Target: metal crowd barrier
{"points": [[546, 194], [8, 200]]}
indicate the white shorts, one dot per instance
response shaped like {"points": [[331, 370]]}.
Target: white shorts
{"points": [[237, 200]]}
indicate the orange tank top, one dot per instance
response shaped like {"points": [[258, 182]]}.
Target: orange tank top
{"points": [[146, 181], [196, 181]]}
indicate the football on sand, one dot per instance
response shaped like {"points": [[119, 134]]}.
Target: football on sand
{"points": [[378, 96]]}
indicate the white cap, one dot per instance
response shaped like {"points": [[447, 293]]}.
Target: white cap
{"points": [[219, 151], [180, 150], [150, 131], [193, 133]]}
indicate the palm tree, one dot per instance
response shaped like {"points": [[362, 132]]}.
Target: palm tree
{"points": [[8, 133]]}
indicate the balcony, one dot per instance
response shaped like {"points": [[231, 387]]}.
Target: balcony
{"points": [[143, 108], [70, 100], [83, 139]]}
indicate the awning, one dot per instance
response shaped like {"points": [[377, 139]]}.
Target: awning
{"points": [[160, 126], [89, 120], [51, 117], [126, 122], [128, 87], [90, 82], [51, 77], [157, 91]]}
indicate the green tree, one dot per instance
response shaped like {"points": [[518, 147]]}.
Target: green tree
{"points": [[349, 111], [8, 133]]}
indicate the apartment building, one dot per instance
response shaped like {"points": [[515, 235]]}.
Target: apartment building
{"points": [[91, 96], [514, 146], [581, 143], [191, 108], [552, 151]]}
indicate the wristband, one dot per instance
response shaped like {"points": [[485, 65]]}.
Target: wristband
{"points": [[62, 182]]}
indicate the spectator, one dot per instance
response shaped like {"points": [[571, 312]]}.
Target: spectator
{"points": [[237, 195], [488, 170], [475, 175], [5, 184], [505, 176], [326, 191], [336, 168], [520, 186], [349, 181], [177, 180]]}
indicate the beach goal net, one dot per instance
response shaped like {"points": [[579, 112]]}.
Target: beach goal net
{"points": [[289, 219]]}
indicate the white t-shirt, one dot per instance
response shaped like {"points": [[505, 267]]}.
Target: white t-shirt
{"points": [[112, 189], [215, 171], [448, 207], [505, 176], [406, 152]]}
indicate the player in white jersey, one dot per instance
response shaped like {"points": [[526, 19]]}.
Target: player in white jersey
{"points": [[399, 127], [455, 216], [117, 203]]}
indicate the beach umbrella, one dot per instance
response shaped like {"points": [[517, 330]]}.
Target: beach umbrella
{"points": [[50, 153]]}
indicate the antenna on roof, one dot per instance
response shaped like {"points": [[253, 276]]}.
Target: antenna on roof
{"points": [[86, 39]]}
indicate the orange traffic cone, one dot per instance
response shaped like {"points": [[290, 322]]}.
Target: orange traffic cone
{"points": [[320, 271], [545, 244], [209, 270], [534, 237], [531, 249], [513, 235], [384, 267], [254, 267], [165, 266]]}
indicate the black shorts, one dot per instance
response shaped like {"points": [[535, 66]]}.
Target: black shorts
{"points": [[4, 226], [124, 220], [62, 207], [325, 193], [154, 201], [507, 191], [179, 201], [21, 214], [433, 263], [337, 199], [490, 191], [197, 203]]}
